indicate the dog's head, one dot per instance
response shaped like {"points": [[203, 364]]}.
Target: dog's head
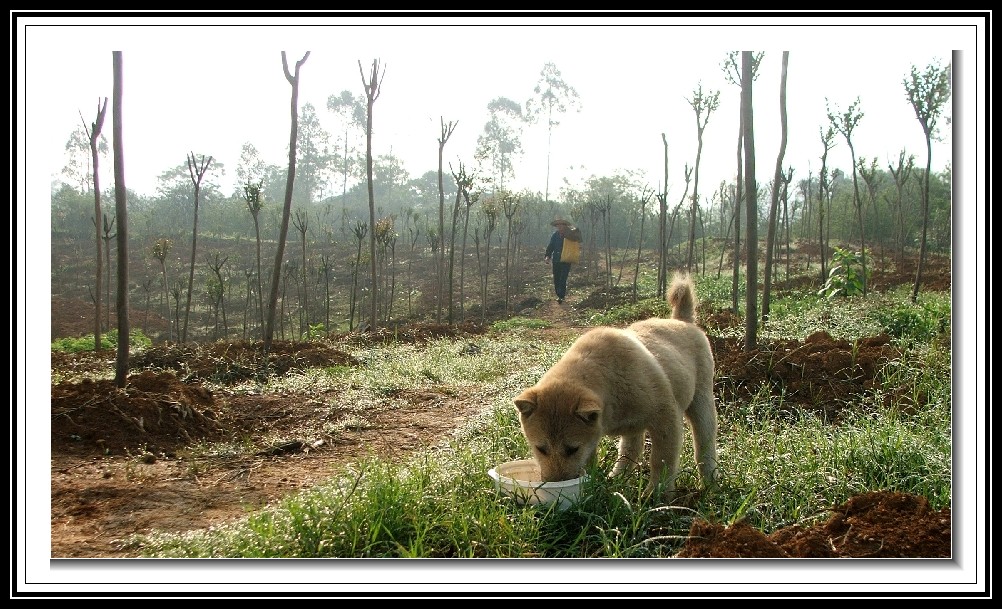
{"points": [[563, 426]]}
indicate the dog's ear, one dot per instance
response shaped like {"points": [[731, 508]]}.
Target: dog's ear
{"points": [[589, 411], [526, 402]]}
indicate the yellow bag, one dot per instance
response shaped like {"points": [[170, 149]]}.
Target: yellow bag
{"points": [[571, 251]]}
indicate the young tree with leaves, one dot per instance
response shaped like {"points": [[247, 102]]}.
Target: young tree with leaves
{"points": [[845, 123], [313, 157], [927, 92], [351, 111], [501, 140]]}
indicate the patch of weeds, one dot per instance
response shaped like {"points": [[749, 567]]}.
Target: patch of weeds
{"points": [[109, 340], [507, 325], [915, 323]]}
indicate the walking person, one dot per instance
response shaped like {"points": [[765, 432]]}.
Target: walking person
{"points": [[563, 250]]}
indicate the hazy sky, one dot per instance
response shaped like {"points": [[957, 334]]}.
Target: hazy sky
{"points": [[193, 84], [209, 89]]}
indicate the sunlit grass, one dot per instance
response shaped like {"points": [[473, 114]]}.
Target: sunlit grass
{"points": [[778, 466]]}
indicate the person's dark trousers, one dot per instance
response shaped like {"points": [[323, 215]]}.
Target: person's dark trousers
{"points": [[560, 272]]}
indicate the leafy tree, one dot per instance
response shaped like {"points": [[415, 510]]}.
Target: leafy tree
{"points": [[79, 168], [250, 168], [94, 135], [372, 89], [175, 197], [927, 92], [423, 189], [703, 104], [121, 216], [501, 140], [845, 123], [293, 79], [313, 157], [552, 95], [351, 111], [390, 178]]}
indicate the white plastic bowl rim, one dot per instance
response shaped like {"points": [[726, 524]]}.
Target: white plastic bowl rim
{"points": [[516, 479]]}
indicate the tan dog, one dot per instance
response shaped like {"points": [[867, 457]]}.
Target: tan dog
{"points": [[625, 382]]}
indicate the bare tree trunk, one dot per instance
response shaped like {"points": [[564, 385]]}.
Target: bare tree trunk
{"points": [[287, 208], [121, 215], [748, 138], [372, 93], [770, 242], [94, 133], [196, 179], [301, 221], [446, 134], [663, 228]]}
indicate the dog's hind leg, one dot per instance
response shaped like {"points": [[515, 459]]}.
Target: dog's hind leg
{"points": [[702, 417], [631, 446]]}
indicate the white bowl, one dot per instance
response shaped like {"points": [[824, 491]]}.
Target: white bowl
{"points": [[521, 480]]}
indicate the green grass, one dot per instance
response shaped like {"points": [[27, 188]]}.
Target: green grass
{"points": [[777, 468], [109, 340]]}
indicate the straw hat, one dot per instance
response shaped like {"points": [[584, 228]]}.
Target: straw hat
{"points": [[561, 221]]}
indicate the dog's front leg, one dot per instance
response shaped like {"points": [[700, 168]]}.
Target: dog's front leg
{"points": [[631, 447], [666, 447]]}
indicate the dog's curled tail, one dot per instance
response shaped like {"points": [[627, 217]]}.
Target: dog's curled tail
{"points": [[682, 298]]}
